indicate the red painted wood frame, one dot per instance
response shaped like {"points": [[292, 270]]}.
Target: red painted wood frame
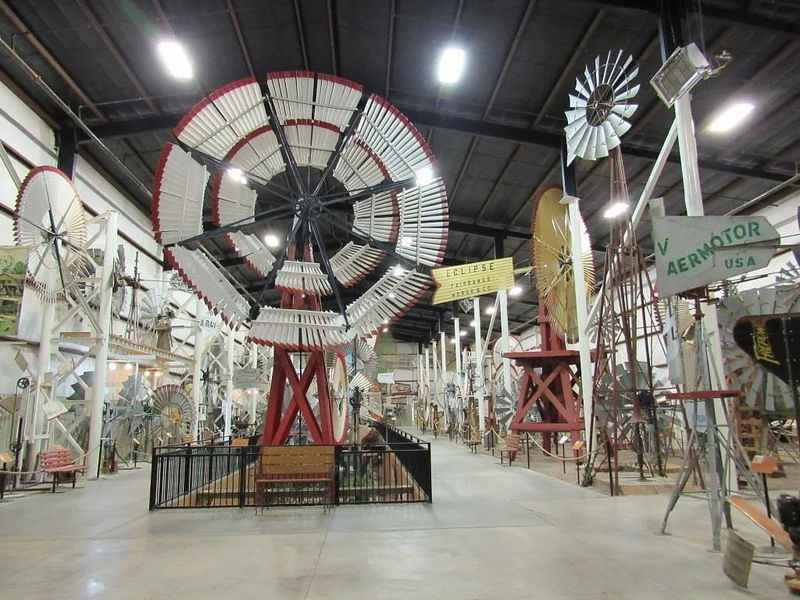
{"points": [[549, 382], [279, 420]]}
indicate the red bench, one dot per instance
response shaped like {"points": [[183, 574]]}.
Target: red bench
{"points": [[56, 460]]}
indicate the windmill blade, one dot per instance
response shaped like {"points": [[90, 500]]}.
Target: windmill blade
{"points": [[587, 132], [304, 277], [298, 330], [178, 191], [354, 262]]}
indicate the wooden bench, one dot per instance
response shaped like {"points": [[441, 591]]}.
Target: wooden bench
{"points": [[511, 447], [292, 466], [770, 525], [57, 460]]}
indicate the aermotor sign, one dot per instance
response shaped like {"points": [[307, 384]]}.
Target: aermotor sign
{"points": [[692, 252]]}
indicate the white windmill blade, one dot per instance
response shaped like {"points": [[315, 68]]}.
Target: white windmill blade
{"points": [[229, 113], [255, 253], [393, 139], [424, 223], [257, 154], [359, 167], [178, 192], [596, 121], [303, 277], [49, 212], [354, 262], [206, 279], [387, 300], [231, 200], [300, 330], [576, 102], [378, 217]]}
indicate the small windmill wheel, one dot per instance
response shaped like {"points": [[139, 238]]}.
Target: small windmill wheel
{"points": [[552, 260], [50, 219], [598, 115]]}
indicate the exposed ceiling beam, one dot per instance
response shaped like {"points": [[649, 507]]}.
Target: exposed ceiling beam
{"points": [[332, 34], [512, 50], [740, 16], [568, 71], [51, 60], [536, 137], [116, 53], [301, 36], [237, 28], [390, 46]]}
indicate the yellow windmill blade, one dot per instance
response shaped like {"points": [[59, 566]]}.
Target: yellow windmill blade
{"points": [[552, 259]]}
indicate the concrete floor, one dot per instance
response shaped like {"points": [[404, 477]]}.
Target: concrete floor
{"points": [[492, 532]]}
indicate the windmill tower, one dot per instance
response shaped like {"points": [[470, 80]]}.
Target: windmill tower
{"points": [[302, 147]]}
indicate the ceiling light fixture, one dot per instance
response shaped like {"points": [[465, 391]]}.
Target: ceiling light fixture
{"points": [[616, 209], [489, 310], [175, 59], [424, 176], [472, 323], [462, 333], [730, 117], [451, 64], [237, 175], [271, 240], [398, 271], [515, 291], [385, 329]]}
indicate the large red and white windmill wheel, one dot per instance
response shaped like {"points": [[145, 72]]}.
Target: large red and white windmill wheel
{"points": [[299, 147]]}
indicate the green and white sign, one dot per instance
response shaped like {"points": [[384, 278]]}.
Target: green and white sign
{"points": [[694, 251]]}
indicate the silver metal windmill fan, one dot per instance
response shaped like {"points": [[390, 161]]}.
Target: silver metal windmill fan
{"points": [[50, 219], [599, 113], [172, 414]]}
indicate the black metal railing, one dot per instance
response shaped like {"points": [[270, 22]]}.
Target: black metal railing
{"points": [[195, 476], [417, 463]]}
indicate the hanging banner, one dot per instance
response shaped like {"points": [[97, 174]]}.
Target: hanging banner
{"points": [[692, 252], [472, 279], [13, 267]]}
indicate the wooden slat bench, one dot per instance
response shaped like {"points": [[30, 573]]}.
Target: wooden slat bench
{"points": [[57, 460], [474, 441], [293, 466], [511, 447]]}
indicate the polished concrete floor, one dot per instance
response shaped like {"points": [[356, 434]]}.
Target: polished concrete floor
{"points": [[492, 532]]}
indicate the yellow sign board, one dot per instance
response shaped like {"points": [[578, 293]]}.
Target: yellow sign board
{"points": [[472, 279]]}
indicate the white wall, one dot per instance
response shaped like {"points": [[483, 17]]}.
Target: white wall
{"points": [[22, 130]]}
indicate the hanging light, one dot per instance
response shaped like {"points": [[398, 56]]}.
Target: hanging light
{"points": [[451, 64], [473, 323], [237, 175], [175, 59], [424, 176], [462, 333], [489, 310], [615, 210], [271, 240], [730, 117]]}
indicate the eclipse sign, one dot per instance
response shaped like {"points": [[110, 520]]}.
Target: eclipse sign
{"points": [[694, 251]]}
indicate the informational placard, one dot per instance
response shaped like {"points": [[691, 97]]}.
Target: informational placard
{"points": [[692, 252], [13, 267], [246, 378], [472, 279]]}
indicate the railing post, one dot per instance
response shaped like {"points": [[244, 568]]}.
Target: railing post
{"points": [[188, 471], [154, 467], [429, 468], [337, 456], [242, 475]]}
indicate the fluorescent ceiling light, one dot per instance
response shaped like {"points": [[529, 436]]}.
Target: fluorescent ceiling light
{"points": [[472, 323], [515, 291], [271, 240], [730, 117], [451, 64], [462, 333], [489, 310], [385, 329], [453, 341], [112, 366], [175, 59], [237, 175], [424, 176], [615, 210]]}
